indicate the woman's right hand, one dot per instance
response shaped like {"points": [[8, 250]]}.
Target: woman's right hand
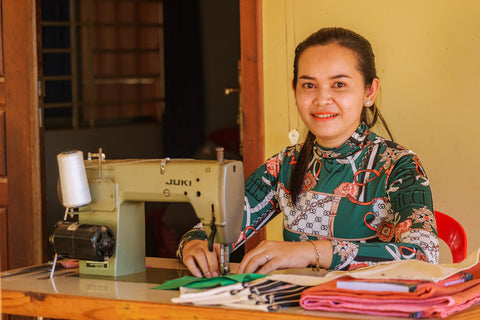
{"points": [[199, 260]]}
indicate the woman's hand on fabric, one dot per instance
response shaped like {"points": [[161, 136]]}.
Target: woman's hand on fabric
{"points": [[273, 255], [199, 260]]}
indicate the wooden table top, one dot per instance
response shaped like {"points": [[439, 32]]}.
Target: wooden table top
{"points": [[69, 296]]}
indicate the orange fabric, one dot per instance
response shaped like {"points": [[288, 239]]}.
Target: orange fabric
{"points": [[430, 299]]}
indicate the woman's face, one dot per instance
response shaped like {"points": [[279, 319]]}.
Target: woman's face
{"points": [[331, 93]]}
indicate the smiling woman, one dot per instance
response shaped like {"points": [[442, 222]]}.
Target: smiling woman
{"points": [[349, 197], [426, 68], [331, 93]]}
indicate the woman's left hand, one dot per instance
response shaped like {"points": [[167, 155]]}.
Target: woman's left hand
{"points": [[273, 255]]}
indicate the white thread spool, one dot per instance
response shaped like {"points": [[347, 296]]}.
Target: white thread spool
{"points": [[73, 179]]}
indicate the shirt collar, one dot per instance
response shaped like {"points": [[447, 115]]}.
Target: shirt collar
{"points": [[358, 140]]}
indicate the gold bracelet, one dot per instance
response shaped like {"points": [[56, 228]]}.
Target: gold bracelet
{"points": [[317, 262]]}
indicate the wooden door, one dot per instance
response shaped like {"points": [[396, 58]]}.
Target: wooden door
{"points": [[22, 216]]}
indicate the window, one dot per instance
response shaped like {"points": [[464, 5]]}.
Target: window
{"points": [[103, 62]]}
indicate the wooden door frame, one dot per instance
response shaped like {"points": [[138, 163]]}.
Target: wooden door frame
{"points": [[25, 213], [252, 92], [3, 161]]}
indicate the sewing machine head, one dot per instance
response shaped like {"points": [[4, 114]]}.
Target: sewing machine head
{"points": [[119, 189]]}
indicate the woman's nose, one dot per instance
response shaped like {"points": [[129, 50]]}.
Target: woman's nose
{"points": [[323, 96]]}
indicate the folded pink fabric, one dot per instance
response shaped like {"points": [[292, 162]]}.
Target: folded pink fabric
{"points": [[428, 300]]}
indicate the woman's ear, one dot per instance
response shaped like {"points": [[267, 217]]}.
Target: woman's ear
{"points": [[294, 89], [371, 92]]}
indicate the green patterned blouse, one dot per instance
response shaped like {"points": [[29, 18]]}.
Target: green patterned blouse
{"points": [[370, 197]]}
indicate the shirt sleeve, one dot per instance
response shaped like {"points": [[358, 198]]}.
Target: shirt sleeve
{"points": [[261, 204], [408, 233], [260, 207]]}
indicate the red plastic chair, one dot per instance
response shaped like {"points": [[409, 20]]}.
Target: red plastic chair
{"points": [[452, 232]]}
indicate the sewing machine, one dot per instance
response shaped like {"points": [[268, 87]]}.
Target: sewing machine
{"points": [[113, 223]]}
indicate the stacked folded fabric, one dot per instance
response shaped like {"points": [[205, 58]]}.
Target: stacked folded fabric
{"points": [[244, 291], [397, 297], [265, 295], [406, 288]]}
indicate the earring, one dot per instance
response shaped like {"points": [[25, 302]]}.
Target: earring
{"points": [[367, 103]]}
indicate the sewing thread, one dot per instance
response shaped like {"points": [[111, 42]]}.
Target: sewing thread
{"points": [[73, 179]]}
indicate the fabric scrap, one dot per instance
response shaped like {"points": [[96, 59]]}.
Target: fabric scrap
{"points": [[204, 283]]}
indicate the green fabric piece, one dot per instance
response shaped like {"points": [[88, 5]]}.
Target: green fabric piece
{"points": [[204, 283]]}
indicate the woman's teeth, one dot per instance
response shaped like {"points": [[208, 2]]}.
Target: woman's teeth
{"points": [[324, 115]]}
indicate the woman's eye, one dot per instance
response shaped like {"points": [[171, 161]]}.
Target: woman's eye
{"points": [[308, 85], [339, 85]]}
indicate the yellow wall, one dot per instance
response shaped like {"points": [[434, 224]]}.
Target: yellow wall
{"points": [[428, 61]]}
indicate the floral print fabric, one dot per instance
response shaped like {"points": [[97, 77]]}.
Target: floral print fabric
{"points": [[370, 197]]}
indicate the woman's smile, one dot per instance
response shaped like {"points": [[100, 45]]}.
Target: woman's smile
{"points": [[324, 116]]}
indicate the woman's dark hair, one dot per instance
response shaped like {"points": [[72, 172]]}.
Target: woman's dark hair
{"points": [[365, 64]]}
